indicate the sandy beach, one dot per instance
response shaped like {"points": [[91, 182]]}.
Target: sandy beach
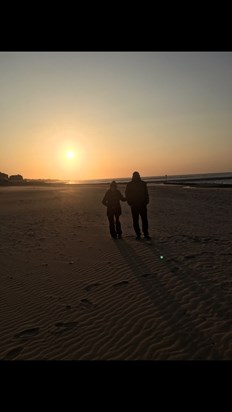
{"points": [[70, 292]]}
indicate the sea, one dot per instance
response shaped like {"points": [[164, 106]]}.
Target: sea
{"points": [[223, 179]]}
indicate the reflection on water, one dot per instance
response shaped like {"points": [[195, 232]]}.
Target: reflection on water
{"points": [[213, 178]]}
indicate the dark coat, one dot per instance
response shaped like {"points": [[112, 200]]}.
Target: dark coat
{"points": [[137, 193], [112, 201]]}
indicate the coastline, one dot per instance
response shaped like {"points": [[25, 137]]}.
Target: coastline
{"points": [[190, 181]]}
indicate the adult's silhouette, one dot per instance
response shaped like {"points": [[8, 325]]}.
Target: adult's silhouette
{"points": [[138, 198]]}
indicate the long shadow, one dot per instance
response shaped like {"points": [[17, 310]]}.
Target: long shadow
{"points": [[154, 287], [186, 275]]}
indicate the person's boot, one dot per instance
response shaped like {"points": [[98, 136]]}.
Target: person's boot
{"points": [[147, 237]]}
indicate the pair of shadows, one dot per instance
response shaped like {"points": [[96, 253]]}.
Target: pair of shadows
{"points": [[147, 278]]}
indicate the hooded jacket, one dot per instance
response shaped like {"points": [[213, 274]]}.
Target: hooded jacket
{"points": [[137, 193], [112, 201]]}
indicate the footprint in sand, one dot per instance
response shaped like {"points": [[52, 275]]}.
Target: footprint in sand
{"points": [[175, 269], [92, 286], [190, 257], [85, 303], [61, 327], [196, 239], [27, 333], [121, 284], [13, 353]]}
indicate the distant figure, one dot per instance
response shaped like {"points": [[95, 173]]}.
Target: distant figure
{"points": [[112, 201], [137, 197]]}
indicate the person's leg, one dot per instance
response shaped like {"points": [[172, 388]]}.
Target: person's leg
{"points": [[135, 216], [143, 214], [110, 216], [118, 224]]}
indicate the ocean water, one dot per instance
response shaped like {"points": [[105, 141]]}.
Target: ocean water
{"points": [[213, 178]]}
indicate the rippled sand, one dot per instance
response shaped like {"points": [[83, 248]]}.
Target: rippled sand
{"points": [[68, 291]]}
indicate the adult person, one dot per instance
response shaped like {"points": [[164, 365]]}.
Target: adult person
{"points": [[138, 198], [112, 200]]}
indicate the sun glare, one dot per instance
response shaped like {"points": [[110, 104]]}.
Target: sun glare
{"points": [[70, 154]]}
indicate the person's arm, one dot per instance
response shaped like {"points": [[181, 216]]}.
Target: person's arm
{"points": [[127, 195], [121, 197], [105, 199]]}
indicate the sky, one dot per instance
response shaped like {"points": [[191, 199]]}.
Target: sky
{"points": [[96, 115]]}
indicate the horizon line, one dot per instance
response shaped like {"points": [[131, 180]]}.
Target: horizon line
{"points": [[129, 177]]}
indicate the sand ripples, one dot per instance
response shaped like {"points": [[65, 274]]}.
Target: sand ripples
{"points": [[70, 292]]}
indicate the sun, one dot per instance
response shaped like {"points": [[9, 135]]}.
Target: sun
{"points": [[70, 154]]}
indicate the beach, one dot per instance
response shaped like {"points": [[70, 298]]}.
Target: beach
{"points": [[70, 292]]}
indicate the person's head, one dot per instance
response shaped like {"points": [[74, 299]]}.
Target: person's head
{"points": [[113, 185], [136, 176]]}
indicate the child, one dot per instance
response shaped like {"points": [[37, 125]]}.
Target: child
{"points": [[112, 201]]}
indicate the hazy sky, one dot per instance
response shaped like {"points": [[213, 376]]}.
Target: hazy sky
{"points": [[92, 115]]}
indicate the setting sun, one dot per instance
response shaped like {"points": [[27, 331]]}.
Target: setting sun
{"points": [[70, 154]]}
